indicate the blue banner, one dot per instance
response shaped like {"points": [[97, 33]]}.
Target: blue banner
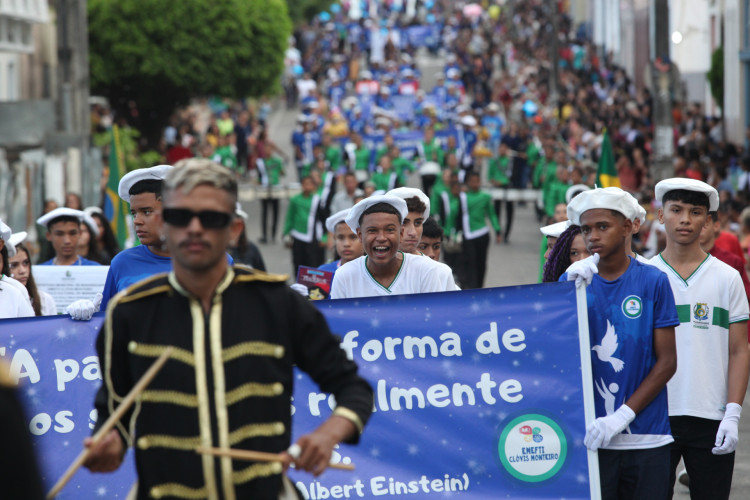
{"points": [[478, 395], [55, 361], [421, 36]]}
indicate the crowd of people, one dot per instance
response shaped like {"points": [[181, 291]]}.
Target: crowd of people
{"points": [[504, 114]]}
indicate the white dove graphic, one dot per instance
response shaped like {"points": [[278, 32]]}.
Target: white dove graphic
{"points": [[607, 349]]}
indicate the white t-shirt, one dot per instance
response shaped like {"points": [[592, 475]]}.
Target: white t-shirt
{"points": [[304, 87], [49, 307], [14, 303], [418, 274], [711, 299]]}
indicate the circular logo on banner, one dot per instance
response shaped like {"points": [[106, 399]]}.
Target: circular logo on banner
{"points": [[532, 448], [632, 306]]}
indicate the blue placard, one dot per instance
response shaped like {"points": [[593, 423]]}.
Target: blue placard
{"points": [[478, 394]]}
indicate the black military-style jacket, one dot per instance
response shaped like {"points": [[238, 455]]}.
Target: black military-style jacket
{"points": [[228, 382]]}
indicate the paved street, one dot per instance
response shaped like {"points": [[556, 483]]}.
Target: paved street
{"points": [[513, 263]]}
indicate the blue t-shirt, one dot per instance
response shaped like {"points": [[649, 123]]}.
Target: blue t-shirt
{"points": [[133, 265], [80, 262], [130, 266], [622, 317]]}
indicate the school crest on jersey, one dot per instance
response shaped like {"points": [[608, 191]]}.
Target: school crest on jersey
{"points": [[700, 315], [632, 306]]}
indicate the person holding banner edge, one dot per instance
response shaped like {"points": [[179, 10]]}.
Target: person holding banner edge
{"points": [[239, 404], [632, 317]]}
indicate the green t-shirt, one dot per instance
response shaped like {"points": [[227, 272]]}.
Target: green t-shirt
{"points": [[333, 157], [401, 166], [499, 170], [224, 156], [479, 207], [385, 180], [362, 159]]}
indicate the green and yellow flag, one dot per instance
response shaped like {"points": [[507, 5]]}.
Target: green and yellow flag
{"points": [[114, 207], [606, 175]]}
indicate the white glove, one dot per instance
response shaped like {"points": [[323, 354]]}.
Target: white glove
{"points": [[601, 431], [300, 289], [728, 435], [584, 270], [84, 309]]}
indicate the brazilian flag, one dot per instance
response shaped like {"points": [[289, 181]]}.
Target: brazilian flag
{"points": [[114, 207], [606, 175]]}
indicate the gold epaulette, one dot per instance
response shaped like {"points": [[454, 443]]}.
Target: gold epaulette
{"points": [[143, 288], [245, 273]]}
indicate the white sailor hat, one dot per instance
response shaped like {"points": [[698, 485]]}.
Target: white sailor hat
{"points": [[640, 212], [611, 198], [5, 235], [45, 219], [469, 121], [91, 223], [453, 73], [405, 193], [574, 190], [16, 239], [239, 212], [556, 229], [689, 185], [157, 173], [93, 210], [352, 220], [333, 220]]}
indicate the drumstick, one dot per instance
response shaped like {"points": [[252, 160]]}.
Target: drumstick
{"points": [[111, 421], [257, 456]]}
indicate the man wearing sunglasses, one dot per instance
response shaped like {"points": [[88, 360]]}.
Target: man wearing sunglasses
{"points": [[237, 334]]}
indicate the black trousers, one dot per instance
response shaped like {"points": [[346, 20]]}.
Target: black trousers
{"points": [[474, 261], [273, 203], [710, 475], [508, 215], [634, 474], [427, 182], [306, 254]]}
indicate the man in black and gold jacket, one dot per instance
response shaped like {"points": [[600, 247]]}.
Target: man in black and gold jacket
{"points": [[236, 334]]}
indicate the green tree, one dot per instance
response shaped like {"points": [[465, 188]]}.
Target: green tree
{"points": [[150, 56], [305, 10], [715, 76]]}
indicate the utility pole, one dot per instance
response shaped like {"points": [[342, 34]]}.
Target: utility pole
{"points": [[554, 90], [70, 141], [664, 77]]}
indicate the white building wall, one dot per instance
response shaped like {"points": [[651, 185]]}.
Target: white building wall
{"points": [[692, 55], [9, 76], [734, 76]]}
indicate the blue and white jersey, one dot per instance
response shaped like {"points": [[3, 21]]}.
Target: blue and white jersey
{"points": [[622, 317], [133, 265]]}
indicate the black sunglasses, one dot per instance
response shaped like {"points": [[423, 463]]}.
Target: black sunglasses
{"points": [[209, 219]]}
